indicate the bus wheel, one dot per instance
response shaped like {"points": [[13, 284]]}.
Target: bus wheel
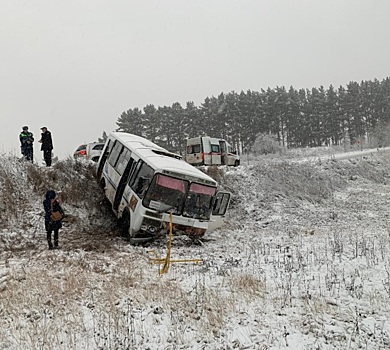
{"points": [[124, 224], [237, 163]]}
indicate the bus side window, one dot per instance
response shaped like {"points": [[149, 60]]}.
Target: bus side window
{"points": [[134, 172], [132, 169], [108, 148], [123, 160], [142, 186], [142, 178], [114, 155]]}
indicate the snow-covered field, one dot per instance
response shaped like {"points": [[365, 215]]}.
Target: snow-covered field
{"points": [[302, 262]]}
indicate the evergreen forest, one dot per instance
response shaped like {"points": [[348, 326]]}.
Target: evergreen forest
{"points": [[296, 118]]}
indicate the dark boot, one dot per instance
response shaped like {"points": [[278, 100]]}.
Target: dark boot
{"points": [[56, 240], [48, 237]]}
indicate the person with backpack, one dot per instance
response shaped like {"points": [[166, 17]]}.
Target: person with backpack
{"points": [[26, 143], [47, 145], [53, 218]]}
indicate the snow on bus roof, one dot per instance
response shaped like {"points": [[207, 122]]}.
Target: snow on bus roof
{"points": [[163, 162], [125, 137], [159, 160]]}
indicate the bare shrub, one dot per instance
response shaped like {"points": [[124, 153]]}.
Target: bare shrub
{"points": [[218, 174], [75, 180], [267, 144], [15, 190], [380, 135]]}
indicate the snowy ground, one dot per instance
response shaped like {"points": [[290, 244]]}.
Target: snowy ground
{"points": [[302, 263]]}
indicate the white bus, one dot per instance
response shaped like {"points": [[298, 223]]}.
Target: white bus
{"points": [[205, 150], [144, 183]]}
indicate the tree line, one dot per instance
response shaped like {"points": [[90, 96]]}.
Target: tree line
{"points": [[297, 118]]}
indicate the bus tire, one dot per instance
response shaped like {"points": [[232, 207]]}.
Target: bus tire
{"points": [[237, 162], [124, 224]]}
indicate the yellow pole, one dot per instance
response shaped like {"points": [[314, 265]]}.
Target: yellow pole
{"points": [[167, 262]]}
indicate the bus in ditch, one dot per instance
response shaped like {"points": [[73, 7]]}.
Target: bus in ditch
{"points": [[144, 183]]}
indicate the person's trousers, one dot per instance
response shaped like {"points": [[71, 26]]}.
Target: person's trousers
{"points": [[29, 155], [47, 156], [55, 238]]}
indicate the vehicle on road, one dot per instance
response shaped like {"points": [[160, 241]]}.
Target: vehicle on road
{"points": [[144, 184], [205, 150], [90, 151]]}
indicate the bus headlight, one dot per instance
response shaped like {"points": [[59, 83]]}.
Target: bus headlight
{"points": [[150, 226]]}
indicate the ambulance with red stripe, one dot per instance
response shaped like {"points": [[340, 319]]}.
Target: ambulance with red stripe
{"points": [[205, 150]]}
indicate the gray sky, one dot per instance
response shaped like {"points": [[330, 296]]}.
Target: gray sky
{"points": [[76, 65]]}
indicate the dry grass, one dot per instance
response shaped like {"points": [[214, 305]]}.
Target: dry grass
{"points": [[73, 179], [104, 309], [312, 182], [248, 286], [14, 194], [298, 181]]}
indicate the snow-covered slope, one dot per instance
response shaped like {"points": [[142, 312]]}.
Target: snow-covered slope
{"points": [[301, 263]]}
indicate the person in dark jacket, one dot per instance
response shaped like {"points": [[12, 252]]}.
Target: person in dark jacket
{"points": [[47, 145], [26, 143], [50, 204]]}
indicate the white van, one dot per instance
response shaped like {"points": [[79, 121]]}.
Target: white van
{"points": [[205, 150], [90, 151], [144, 183]]}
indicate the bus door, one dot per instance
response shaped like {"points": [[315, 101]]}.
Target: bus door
{"points": [[103, 157], [110, 171], [123, 167]]}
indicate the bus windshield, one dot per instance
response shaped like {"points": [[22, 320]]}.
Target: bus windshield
{"points": [[166, 193], [199, 201]]}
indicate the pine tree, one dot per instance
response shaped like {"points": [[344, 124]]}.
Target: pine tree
{"points": [[132, 122]]}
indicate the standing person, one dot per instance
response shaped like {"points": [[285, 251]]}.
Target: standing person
{"points": [[50, 204], [47, 145], [26, 143]]}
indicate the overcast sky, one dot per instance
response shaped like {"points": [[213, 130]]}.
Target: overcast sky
{"points": [[76, 65]]}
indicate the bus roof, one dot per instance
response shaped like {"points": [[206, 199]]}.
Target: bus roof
{"points": [[160, 159]]}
